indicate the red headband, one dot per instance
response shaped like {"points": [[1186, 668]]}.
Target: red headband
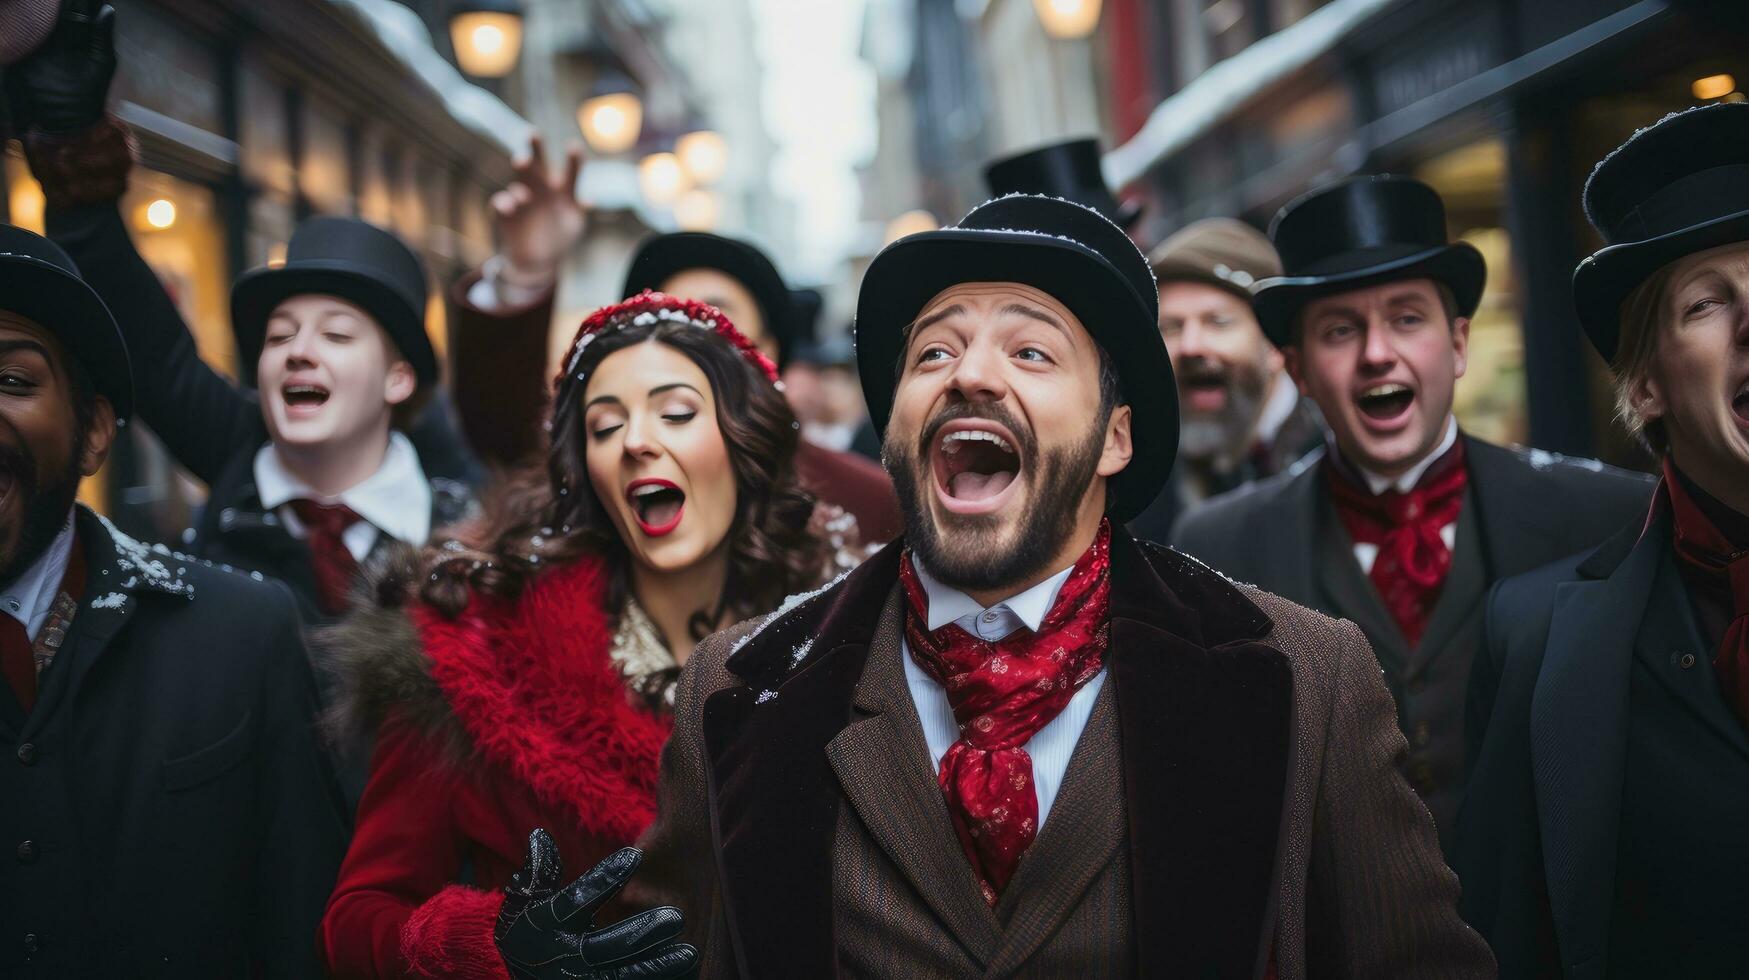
{"points": [[652, 307]]}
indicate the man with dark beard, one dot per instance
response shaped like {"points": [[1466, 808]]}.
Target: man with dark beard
{"points": [[1241, 418], [164, 787], [1019, 741]]}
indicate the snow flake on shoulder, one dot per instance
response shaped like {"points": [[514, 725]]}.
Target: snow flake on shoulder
{"points": [[142, 566]]}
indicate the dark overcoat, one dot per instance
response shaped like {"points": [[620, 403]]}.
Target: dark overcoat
{"points": [[180, 816], [1604, 831], [1522, 509]]}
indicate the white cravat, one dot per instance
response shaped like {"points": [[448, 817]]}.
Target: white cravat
{"points": [[395, 500], [1052, 745]]}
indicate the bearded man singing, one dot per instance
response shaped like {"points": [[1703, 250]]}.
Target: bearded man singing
{"points": [[1019, 742]]}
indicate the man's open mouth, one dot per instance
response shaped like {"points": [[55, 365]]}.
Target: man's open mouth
{"points": [[1740, 403], [1385, 402], [304, 396], [976, 464], [1203, 388], [657, 504]]}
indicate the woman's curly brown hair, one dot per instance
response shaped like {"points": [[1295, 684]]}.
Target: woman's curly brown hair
{"points": [[547, 516]]}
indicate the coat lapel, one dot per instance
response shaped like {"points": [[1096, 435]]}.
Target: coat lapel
{"points": [[883, 764], [1293, 568], [1579, 738], [1080, 835], [1205, 713], [1669, 631], [1350, 594]]}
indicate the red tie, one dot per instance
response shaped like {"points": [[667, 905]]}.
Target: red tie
{"points": [[1413, 559], [1704, 547], [330, 559], [17, 652], [1002, 693]]}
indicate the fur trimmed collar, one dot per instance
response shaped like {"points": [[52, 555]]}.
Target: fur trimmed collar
{"points": [[525, 685]]}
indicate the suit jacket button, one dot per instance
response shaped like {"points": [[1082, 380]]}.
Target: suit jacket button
{"points": [[27, 852], [31, 943], [1686, 660], [27, 754]]}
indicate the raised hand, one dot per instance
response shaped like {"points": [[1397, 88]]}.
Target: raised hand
{"points": [[61, 88], [545, 932], [538, 216]]}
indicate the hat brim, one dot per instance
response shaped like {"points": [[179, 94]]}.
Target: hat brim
{"points": [[1459, 266], [665, 256], [913, 270], [1603, 281], [65, 306], [257, 292]]}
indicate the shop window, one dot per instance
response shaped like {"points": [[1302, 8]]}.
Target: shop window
{"points": [[1490, 402]]}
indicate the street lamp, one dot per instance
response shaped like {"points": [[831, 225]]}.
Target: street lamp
{"points": [[612, 118], [661, 178], [486, 35], [696, 210], [704, 154], [1067, 20], [160, 214]]}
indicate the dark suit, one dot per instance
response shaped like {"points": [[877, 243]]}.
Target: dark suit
{"points": [[1232, 795], [1520, 511], [182, 820], [1604, 834]]}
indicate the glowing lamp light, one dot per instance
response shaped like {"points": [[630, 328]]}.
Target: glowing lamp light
{"points": [[160, 214], [1713, 87], [1067, 20], [611, 123], [662, 178], [704, 154], [487, 42], [910, 223], [696, 210], [276, 255]]}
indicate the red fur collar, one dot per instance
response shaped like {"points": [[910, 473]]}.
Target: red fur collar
{"points": [[532, 684]]}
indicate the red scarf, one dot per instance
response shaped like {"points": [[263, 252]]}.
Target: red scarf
{"points": [[1002, 693], [1725, 564], [1413, 559]]}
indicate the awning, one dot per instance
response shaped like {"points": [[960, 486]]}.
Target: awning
{"points": [[1182, 118]]}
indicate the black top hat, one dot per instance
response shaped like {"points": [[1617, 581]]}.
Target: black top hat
{"points": [[351, 259], [1357, 233], [1068, 170], [39, 281], [1067, 250], [662, 256], [1674, 188]]}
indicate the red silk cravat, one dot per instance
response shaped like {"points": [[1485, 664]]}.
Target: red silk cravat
{"points": [[1724, 563], [1413, 559], [1002, 693], [330, 559]]}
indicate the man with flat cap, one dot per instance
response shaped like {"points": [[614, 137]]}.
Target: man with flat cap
{"points": [[1019, 741], [1241, 417], [171, 810], [1403, 523], [1604, 834]]}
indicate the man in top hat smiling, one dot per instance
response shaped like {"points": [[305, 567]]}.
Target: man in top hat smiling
{"points": [[1019, 741], [309, 479], [166, 796], [1402, 525], [1604, 831]]}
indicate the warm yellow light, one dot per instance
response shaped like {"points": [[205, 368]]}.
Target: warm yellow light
{"points": [[276, 255], [27, 204], [704, 154], [486, 43], [910, 223], [160, 214], [696, 210], [1713, 86], [662, 179], [611, 123], [1067, 19]]}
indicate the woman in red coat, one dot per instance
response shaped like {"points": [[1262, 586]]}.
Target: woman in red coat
{"points": [[520, 674]]}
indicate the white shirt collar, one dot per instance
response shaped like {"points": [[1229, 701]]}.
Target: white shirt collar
{"points": [[949, 605], [1284, 397], [31, 597], [1405, 483], [396, 499]]}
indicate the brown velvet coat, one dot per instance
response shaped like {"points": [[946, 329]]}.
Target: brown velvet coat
{"points": [[1234, 792]]}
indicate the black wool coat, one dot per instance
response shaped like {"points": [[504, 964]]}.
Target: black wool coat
{"points": [[1523, 509], [181, 818], [1604, 831]]}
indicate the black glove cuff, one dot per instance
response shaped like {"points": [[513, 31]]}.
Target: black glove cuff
{"points": [[87, 167]]}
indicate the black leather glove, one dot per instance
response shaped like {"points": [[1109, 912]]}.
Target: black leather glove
{"points": [[548, 933], [61, 88]]}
